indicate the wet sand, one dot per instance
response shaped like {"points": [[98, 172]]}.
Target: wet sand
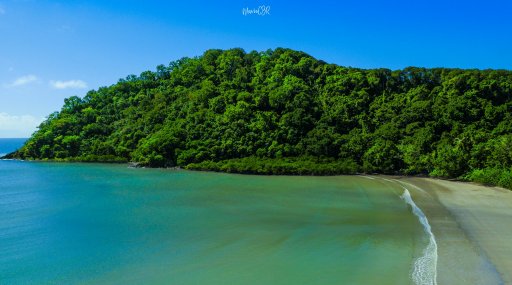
{"points": [[473, 229]]}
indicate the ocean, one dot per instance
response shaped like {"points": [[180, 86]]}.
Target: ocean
{"points": [[10, 145], [73, 223]]}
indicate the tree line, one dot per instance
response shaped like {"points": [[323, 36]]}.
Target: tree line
{"points": [[284, 112]]}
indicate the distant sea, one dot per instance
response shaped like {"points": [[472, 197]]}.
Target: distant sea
{"points": [[10, 145]]}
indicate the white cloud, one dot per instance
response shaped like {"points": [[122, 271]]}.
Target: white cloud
{"points": [[78, 84], [24, 80], [18, 126]]}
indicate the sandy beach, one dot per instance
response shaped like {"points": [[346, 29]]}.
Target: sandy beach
{"points": [[472, 225]]}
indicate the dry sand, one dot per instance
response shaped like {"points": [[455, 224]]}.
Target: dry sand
{"points": [[473, 229]]}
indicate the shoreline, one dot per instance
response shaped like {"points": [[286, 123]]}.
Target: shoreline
{"points": [[292, 166], [471, 223]]}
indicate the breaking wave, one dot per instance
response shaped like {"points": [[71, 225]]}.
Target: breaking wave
{"points": [[425, 267]]}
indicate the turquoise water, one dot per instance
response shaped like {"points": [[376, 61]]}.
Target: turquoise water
{"points": [[65, 223], [10, 145]]}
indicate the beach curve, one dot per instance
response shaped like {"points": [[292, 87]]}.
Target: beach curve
{"points": [[472, 226]]}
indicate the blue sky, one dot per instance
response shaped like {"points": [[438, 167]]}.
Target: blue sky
{"points": [[50, 50]]}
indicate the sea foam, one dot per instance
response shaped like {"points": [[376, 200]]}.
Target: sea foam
{"points": [[425, 267]]}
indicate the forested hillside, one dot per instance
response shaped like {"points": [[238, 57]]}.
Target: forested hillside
{"points": [[283, 111]]}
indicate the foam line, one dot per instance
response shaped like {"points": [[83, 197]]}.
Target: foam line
{"points": [[369, 177], [425, 267]]}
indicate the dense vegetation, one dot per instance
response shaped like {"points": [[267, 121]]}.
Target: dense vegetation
{"points": [[282, 111]]}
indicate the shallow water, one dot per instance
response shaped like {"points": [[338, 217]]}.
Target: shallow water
{"points": [[64, 223]]}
